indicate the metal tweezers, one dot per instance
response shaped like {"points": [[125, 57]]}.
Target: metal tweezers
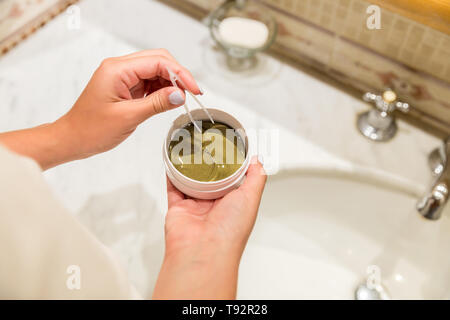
{"points": [[174, 78]]}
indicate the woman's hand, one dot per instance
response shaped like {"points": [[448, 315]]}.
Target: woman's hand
{"points": [[205, 240], [122, 93]]}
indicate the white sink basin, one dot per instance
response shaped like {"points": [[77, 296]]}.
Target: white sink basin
{"points": [[318, 233]]}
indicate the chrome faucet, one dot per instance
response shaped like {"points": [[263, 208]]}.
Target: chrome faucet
{"points": [[432, 204], [379, 124]]}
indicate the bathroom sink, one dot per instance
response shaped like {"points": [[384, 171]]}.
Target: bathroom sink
{"points": [[320, 235]]}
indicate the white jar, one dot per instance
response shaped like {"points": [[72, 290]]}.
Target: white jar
{"points": [[211, 189]]}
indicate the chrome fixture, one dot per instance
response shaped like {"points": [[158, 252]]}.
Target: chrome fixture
{"points": [[433, 203], [379, 124], [363, 292]]}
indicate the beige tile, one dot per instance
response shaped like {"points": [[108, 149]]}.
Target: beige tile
{"points": [[275, 2], [397, 35], [387, 18], [407, 57], [412, 42], [338, 26], [447, 75], [343, 63], [365, 36], [328, 7], [345, 3], [289, 5], [401, 25], [317, 4], [446, 44], [351, 32], [441, 56], [325, 21], [208, 5], [423, 56], [417, 31], [301, 8], [297, 29], [314, 15], [341, 13], [359, 7], [436, 68], [392, 49], [379, 39], [321, 45], [432, 37], [426, 50]]}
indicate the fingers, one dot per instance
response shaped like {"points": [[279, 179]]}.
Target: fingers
{"points": [[159, 101], [148, 53], [142, 66], [173, 195], [147, 67], [255, 181]]}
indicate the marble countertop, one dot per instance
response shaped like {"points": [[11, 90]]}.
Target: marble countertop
{"points": [[112, 193]]}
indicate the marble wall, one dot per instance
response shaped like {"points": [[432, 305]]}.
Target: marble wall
{"points": [[332, 36], [20, 18]]}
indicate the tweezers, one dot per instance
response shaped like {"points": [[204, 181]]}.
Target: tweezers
{"points": [[174, 78]]}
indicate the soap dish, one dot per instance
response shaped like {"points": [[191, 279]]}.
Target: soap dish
{"points": [[242, 9]]}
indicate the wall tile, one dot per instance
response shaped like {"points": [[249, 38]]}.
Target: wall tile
{"points": [[403, 54]]}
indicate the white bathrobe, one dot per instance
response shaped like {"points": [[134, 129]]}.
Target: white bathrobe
{"points": [[45, 253]]}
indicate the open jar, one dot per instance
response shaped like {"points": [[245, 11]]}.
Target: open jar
{"points": [[210, 164]]}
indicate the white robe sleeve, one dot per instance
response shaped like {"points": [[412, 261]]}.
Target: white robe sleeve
{"points": [[45, 253]]}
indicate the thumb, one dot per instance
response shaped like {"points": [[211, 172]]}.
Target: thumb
{"points": [[159, 101]]}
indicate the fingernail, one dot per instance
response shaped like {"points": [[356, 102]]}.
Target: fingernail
{"points": [[261, 159], [201, 91], [176, 98]]}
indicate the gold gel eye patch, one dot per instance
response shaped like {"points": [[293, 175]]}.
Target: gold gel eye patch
{"points": [[214, 154]]}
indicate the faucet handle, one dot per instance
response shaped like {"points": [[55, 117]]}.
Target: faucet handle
{"points": [[402, 106], [386, 102], [378, 124], [432, 204]]}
